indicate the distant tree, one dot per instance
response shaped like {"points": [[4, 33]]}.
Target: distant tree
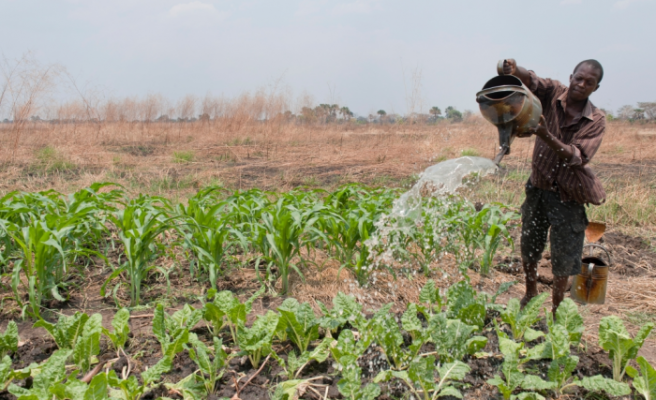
{"points": [[650, 109], [346, 113], [288, 116], [307, 114], [625, 112], [334, 109], [204, 117], [638, 113], [382, 113], [435, 112], [452, 114]]}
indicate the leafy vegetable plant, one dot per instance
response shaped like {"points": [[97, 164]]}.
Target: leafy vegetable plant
{"points": [[345, 310], [616, 340], [420, 377], [121, 325], [79, 333], [211, 362], [520, 321], [51, 372], [9, 339], [226, 309], [644, 381], [256, 341], [300, 323]]}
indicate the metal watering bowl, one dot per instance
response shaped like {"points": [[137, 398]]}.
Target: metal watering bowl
{"points": [[511, 107]]}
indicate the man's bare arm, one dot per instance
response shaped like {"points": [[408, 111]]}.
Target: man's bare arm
{"points": [[510, 67], [564, 151]]}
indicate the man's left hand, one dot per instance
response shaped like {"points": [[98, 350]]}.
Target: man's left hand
{"points": [[541, 130]]}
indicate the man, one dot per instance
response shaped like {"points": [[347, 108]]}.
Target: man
{"points": [[561, 182]]}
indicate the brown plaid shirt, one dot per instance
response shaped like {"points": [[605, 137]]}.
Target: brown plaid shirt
{"points": [[575, 181]]}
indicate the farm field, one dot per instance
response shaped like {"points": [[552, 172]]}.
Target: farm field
{"points": [[251, 260]]}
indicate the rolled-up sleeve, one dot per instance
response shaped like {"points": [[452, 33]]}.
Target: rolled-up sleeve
{"points": [[543, 88], [588, 139]]}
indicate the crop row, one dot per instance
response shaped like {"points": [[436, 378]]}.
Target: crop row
{"points": [[426, 349], [47, 238]]}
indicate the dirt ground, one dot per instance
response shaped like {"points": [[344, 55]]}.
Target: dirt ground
{"points": [[383, 157]]}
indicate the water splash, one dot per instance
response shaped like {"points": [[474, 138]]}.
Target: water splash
{"points": [[439, 180]]}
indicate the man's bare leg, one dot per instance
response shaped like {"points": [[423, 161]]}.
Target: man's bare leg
{"points": [[559, 289], [531, 273]]}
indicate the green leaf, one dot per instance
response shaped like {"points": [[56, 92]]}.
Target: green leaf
{"points": [[97, 389], [88, 344], [531, 334], [473, 314], [533, 382], [455, 371], [645, 381], [527, 396], [568, 316], [598, 383], [159, 324], [529, 315], [9, 339], [410, 321], [155, 372]]}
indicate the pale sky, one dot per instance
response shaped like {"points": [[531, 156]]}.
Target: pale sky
{"points": [[359, 53]]}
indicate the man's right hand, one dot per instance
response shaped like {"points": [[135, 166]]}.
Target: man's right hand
{"points": [[509, 66]]}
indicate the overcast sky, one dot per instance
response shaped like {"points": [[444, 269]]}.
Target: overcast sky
{"points": [[359, 53]]}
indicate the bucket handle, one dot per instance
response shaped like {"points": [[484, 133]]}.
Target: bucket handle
{"points": [[610, 261]]}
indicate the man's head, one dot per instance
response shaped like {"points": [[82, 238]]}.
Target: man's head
{"points": [[585, 79]]}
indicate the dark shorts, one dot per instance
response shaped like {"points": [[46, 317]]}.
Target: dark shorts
{"points": [[543, 209]]}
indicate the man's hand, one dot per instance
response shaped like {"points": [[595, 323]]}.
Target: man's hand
{"points": [[541, 130], [509, 66]]}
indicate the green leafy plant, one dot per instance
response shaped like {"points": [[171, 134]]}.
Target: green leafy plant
{"points": [[121, 325], [453, 338], [430, 296], [644, 381], [350, 386], [520, 321], [345, 310], [387, 335], [513, 378], [496, 225], [226, 309], [616, 340], [211, 362], [208, 233], [295, 364], [79, 333], [130, 388], [51, 372], [300, 323], [421, 380], [139, 225], [87, 346], [9, 340], [75, 389], [464, 304], [43, 256], [256, 341], [280, 237], [7, 374], [172, 331]]}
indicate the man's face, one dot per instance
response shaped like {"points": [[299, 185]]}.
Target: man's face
{"points": [[583, 82]]}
